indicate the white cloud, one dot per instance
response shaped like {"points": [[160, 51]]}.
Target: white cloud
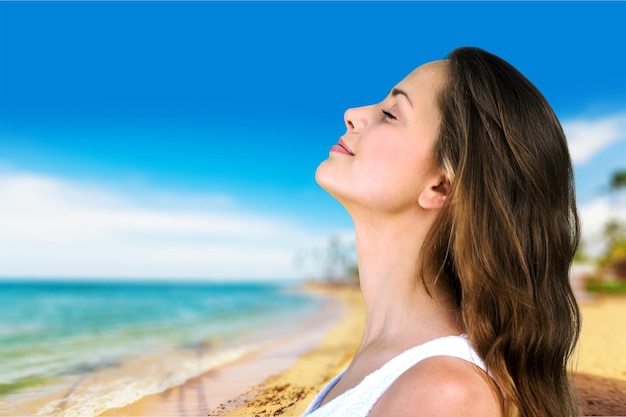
{"points": [[593, 216], [587, 137], [55, 227]]}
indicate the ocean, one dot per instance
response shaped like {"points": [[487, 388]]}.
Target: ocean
{"points": [[129, 339]]}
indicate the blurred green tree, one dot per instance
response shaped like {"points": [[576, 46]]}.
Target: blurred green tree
{"points": [[618, 192], [619, 180], [614, 258]]}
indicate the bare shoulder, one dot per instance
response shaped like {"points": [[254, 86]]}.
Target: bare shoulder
{"points": [[440, 386]]}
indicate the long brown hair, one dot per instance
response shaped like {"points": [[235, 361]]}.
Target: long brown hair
{"points": [[505, 238]]}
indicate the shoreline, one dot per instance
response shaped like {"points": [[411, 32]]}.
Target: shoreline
{"points": [[290, 393], [228, 388]]}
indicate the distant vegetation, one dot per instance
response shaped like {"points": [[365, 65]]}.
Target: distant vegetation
{"points": [[610, 275], [334, 263]]}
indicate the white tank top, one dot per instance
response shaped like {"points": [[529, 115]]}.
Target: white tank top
{"points": [[358, 401]]}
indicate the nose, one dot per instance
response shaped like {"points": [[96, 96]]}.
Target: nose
{"points": [[355, 119]]}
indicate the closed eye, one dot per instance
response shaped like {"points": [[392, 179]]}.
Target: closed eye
{"points": [[389, 115]]}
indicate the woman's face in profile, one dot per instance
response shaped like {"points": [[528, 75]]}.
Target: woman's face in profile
{"points": [[385, 158]]}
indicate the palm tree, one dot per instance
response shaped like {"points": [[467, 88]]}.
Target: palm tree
{"points": [[619, 179], [615, 228], [618, 191]]}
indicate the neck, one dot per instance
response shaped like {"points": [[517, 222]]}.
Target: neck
{"points": [[399, 310]]}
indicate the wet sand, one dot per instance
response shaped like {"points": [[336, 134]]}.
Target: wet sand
{"points": [[289, 393], [227, 387]]}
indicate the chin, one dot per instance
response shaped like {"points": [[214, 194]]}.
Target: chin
{"points": [[330, 182], [333, 179], [325, 179], [321, 174]]}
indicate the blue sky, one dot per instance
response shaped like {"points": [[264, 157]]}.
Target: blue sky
{"points": [[162, 139]]}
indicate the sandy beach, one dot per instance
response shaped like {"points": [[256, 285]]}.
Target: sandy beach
{"points": [[282, 380], [600, 358]]}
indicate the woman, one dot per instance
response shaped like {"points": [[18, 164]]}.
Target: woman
{"points": [[459, 184]]}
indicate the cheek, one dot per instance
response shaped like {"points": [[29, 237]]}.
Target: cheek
{"points": [[393, 184], [392, 164], [381, 178], [391, 179]]}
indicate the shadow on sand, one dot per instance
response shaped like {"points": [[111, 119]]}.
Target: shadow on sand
{"points": [[600, 396]]}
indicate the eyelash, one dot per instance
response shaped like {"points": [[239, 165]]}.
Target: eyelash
{"points": [[388, 115]]}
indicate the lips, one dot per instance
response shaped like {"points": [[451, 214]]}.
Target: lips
{"points": [[341, 147]]}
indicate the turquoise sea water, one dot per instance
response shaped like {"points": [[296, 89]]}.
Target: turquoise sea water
{"points": [[52, 330]]}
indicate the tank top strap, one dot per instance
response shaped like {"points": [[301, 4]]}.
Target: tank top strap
{"points": [[358, 401]]}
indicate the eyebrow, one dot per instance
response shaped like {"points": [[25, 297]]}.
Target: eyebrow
{"points": [[397, 92]]}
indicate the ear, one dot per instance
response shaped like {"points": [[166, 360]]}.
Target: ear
{"points": [[433, 196]]}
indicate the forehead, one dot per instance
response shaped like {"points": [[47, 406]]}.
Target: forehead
{"points": [[424, 81]]}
